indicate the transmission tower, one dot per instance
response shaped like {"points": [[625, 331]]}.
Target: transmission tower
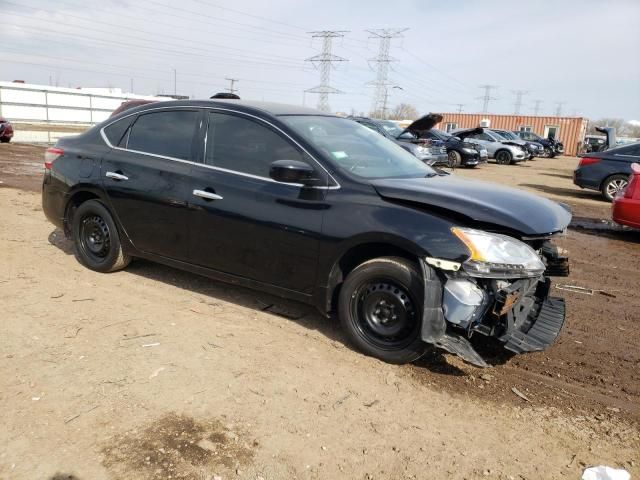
{"points": [[459, 105], [486, 98], [519, 94], [536, 107], [232, 82], [383, 60], [323, 62], [559, 108]]}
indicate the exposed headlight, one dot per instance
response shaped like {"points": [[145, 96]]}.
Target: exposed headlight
{"points": [[470, 150], [423, 150], [498, 256]]}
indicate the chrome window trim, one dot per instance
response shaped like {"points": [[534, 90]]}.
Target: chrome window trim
{"points": [[257, 177]]}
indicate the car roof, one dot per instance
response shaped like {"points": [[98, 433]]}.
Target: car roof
{"points": [[272, 108]]}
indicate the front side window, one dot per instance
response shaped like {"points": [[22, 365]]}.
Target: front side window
{"points": [[246, 146], [169, 133], [355, 149]]}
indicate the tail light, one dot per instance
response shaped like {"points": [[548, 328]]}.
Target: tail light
{"points": [[633, 181], [588, 161], [51, 155]]}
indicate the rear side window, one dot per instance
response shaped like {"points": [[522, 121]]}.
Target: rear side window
{"points": [[168, 133], [246, 146], [116, 131]]}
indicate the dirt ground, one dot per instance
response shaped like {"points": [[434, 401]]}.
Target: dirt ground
{"points": [[154, 373]]}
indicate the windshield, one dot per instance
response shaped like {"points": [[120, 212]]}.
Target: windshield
{"points": [[495, 136], [355, 149], [439, 134], [509, 135], [392, 128]]}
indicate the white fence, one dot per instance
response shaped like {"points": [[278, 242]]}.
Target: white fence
{"points": [[30, 103]]}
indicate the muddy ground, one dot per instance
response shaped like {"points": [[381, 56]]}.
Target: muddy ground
{"points": [[157, 373]]}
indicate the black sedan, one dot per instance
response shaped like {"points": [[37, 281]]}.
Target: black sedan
{"points": [[460, 153], [318, 209], [607, 171]]}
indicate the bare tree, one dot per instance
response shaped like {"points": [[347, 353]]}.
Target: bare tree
{"points": [[404, 111], [621, 126]]}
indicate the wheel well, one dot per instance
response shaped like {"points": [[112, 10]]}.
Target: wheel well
{"points": [[74, 202], [503, 150], [354, 257]]}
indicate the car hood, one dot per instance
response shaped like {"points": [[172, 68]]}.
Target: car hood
{"points": [[424, 123], [483, 202], [610, 132]]}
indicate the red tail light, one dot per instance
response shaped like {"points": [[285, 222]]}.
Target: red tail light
{"points": [[632, 186], [51, 155], [588, 161]]}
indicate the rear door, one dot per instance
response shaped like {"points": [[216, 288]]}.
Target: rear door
{"points": [[251, 225], [147, 179]]}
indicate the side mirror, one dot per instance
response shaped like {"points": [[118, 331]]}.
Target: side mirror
{"points": [[292, 171]]}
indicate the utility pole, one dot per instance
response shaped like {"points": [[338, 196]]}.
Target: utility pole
{"points": [[518, 103], [486, 98], [383, 59], [459, 105], [175, 82], [559, 108], [232, 82], [323, 62], [536, 108]]}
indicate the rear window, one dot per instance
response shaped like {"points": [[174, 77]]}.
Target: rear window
{"points": [[167, 133], [116, 131]]}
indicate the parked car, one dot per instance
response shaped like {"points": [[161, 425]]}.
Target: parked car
{"points": [[129, 104], [319, 209], [460, 153], [552, 147], [431, 153], [504, 152], [607, 171], [534, 149], [6, 130], [626, 204], [594, 143]]}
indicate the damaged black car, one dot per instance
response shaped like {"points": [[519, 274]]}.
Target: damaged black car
{"points": [[318, 209]]}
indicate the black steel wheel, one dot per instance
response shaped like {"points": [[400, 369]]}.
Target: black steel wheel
{"points": [[96, 238], [504, 157], [381, 309]]}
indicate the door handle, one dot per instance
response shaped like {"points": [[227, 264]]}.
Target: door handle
{"points": [[207, 195], [116, 176]]}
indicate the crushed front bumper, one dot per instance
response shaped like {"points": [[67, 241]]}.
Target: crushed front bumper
{"points": [[519, 313]]}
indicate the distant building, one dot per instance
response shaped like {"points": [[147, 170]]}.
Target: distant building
{"points": [[569, 130]]}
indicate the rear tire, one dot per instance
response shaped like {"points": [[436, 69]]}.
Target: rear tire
{"points": [[5, 139], [380, 309], [504, 157], [96, 238], [612, 185]]}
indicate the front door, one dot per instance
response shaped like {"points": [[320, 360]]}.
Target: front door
{"points": [[551, 131], [243, 222], [147, 180]]}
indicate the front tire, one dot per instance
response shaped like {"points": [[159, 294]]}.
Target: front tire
{"points": [[96, 238], [504, 157], [612, 185], [5, 139], [380, 309], [455, 159]]}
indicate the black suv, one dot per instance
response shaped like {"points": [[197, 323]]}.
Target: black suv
{"points": [[459, 152], [318, 209], [552, 147]]}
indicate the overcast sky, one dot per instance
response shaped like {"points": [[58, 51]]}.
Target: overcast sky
{"points": [[585, 54]]}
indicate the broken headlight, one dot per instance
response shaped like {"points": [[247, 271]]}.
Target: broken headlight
{"points": [[492, 255]]}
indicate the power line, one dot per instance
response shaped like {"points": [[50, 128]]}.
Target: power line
{"points": [[323, 62], [486, 98], [383, 59], [518, 103]]}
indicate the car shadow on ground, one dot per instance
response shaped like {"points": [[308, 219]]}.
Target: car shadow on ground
{"points": [[300, 313], [558, 175], [563, 192]]}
